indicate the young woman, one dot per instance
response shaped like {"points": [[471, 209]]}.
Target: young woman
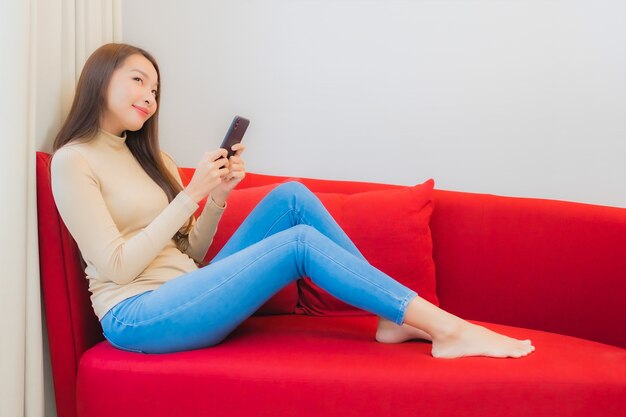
{"points": [[123, 202]]}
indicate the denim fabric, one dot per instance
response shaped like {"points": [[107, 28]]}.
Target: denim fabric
{"points": [[288, 235]]}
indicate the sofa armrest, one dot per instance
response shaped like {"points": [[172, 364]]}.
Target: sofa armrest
{"points": [[549, 265], [72, 325]]}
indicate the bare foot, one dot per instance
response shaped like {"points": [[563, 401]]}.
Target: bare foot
{"points": [[389, 332], [467, 339], [454, 337]]}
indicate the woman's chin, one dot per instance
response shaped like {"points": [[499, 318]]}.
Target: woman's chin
{"points": [[135, 127]]}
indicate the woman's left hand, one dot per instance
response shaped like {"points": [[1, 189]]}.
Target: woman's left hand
{"points": [[237, 172]]}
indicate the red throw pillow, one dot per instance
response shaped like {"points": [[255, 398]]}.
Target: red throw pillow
{"points": [[240, 204], [391, 229]]}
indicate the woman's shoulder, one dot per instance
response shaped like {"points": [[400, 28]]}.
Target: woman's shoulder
{"points": [[71, 156], [74, 147]]}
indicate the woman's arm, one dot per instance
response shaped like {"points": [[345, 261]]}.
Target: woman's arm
{"points": [[204, 228], [80, 203]]}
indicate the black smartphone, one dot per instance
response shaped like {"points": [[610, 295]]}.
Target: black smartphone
{"points": [[235, 134]]}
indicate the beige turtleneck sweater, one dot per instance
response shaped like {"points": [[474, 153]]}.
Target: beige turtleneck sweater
{"points": [[122, 221]]}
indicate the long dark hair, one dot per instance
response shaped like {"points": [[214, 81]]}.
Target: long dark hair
{"points": [[83, 122]]}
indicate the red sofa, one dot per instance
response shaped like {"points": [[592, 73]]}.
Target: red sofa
{"points": [[551, 271]]}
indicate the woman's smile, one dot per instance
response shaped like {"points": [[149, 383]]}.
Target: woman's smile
{"points": [[142, 110]]}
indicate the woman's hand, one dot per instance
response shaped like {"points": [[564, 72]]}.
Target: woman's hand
{"points": [[209, 173], [236, 173]]}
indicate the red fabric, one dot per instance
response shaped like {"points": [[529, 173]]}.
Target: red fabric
{"points": [[332, 366], [544, 264], [552, 265], [71, 323], [314, 184], [390, 228]]}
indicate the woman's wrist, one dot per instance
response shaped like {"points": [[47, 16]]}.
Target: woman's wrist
{"points": [[194, 195], [219, 201]]}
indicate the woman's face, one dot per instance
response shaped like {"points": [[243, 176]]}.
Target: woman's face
{"points": [[131, 96]]}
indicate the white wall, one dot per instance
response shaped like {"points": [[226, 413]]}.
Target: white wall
{"points": [[511, 97]]}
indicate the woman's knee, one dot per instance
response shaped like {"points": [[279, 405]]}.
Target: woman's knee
{"points": [[307, 234], [291, 195], [292, 188]]}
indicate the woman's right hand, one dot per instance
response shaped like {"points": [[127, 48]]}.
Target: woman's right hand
{"points": [[209, 173]]}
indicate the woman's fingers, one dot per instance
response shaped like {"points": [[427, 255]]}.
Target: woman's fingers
{"points": [[215, 160], [235, 175], [238, 148], [235, 163], [211, 170], [214, 155], [215, 167]]}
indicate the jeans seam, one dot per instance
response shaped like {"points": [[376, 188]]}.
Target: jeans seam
{"points": [[276, 221], [405, 302], [196, 299], [354, 272]]}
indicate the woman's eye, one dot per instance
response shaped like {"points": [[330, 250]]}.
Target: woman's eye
{"points": [[154, 93], [137, 79]]}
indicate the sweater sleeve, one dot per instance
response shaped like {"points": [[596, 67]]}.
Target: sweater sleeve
{"points": [[76, 192], [204, 228]]}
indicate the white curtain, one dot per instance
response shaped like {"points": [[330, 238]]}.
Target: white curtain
{"points": [[43, 46]]}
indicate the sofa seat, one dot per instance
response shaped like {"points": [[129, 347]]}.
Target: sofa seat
{"points": [[296, 365]]}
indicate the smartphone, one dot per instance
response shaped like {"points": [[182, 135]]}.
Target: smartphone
{"points": [[235, 134]]}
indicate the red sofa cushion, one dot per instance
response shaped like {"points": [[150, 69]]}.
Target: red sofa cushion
{"points": [[331, 366], [390, 228]]}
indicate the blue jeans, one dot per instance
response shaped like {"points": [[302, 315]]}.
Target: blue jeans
{"points": [[288, 235]]}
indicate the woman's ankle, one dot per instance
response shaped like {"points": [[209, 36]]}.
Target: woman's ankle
{"points": [[433, 320], [389, 332]]}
